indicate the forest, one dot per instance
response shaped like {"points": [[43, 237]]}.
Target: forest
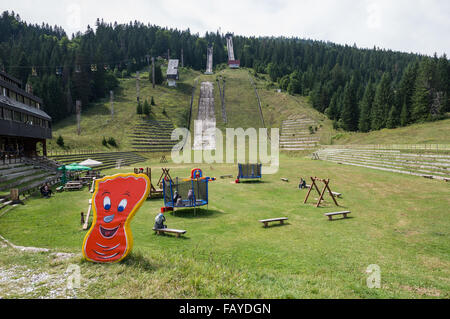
{"points": [[359, 89]]}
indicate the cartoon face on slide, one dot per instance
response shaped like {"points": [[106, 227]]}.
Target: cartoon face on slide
{"points": [[116, 199]]}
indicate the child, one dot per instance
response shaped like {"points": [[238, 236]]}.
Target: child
{"points": [[159, 221], [191, 197]]}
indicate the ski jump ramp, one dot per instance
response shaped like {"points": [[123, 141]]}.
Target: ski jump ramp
{"points": [[232, 62], [209, 61], [205, 125]]}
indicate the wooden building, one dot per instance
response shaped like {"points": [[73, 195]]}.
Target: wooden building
{"points": [[23, 123], [172, 72]]}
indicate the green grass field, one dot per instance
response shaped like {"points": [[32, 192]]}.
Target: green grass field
{"points": [[398, 222]]}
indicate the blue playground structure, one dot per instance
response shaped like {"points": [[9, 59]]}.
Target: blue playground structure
{"points": [[186, 193], [249, 171]]}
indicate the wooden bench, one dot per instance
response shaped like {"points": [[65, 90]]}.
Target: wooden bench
{"points": [[330, 215], [73, 186], [177, 232], [267, 221]]}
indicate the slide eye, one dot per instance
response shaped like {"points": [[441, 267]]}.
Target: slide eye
{"points": [[122, 205], [107, 203]]}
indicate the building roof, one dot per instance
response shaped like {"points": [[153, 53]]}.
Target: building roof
{"points": [[11, 78], [172, 68], [23, 107]]}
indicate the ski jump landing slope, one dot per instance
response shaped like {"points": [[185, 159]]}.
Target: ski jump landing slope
{"points": [[205, 126]]}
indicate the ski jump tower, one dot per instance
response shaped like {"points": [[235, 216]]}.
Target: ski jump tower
{"points": [[232, 62], [209, 60]]}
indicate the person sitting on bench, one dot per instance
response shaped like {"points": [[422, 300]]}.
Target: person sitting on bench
{"points": [[302, 183], [159, 221], [46, 191]]}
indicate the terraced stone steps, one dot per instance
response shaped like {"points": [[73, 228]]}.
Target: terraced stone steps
{"points": [[153, 136], [427, 165], [26, 175], [296, 136], [109, 160]]}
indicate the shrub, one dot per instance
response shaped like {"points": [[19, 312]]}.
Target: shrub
{"points": [[139, 109], [60, 141], [112, 142], [104, 142], [146, 108]]}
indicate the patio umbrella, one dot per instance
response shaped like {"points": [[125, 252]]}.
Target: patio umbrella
{"points": [[90, 162], [72, 167]]}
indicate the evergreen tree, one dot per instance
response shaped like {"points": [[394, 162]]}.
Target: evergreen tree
{"points": [[159, 79], [382, 103], [146, 108], [423, 95], [366, 107], [139, 109], [350, 112]]}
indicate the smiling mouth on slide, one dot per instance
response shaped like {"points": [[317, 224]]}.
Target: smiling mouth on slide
{"points": [[108, 232]]}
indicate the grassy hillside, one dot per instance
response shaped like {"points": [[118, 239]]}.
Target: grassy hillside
{"points": [[96, 118], [241, 107], [437, 132]]}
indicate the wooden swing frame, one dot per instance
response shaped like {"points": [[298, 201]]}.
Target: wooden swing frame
{"points": [[155, 193], [325, 188]]}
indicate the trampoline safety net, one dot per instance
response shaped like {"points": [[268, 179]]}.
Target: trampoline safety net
{"points": [[250, 170], [199, 193]]}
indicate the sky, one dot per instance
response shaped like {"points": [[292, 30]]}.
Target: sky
{"points": [[418, 26]]}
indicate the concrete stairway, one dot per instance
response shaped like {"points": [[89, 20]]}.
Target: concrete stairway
{"points": [[435, 166], [296, 135], [109, 160], [153, 136]]}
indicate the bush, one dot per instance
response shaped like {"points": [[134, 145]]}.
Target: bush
{"points": [[146, 108], [60, 141], [139, 109], [104, 142], [112, 142]]}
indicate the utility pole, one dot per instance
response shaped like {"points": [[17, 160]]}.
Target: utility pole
{"points": [[182, 58], [111, 98], [153, 72], [138, 88], [78, 110]]}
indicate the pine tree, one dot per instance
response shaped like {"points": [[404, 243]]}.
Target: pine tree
{"points": [[404, 115], [406, 91], [423, 95], [382, 103], [366, 107], [152, 102], [139, 108], [332, 110], [146, 108], [350, 111]]}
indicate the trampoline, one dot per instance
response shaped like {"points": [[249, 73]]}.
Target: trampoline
{"points": [[199, 189], [249, 171]]}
